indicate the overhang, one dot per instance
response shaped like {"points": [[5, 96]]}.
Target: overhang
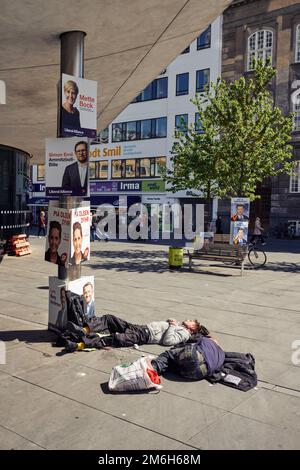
{"points": [[128, 43]]}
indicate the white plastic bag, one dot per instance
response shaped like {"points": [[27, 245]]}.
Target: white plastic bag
{"points": [[132, 376]]}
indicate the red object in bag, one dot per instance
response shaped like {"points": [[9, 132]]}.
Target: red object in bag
{"points": [[154, 377]]}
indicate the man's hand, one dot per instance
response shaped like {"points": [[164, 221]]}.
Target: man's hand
{"points": [[172, 321]]}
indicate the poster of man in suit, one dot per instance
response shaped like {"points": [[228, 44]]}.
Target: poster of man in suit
{"points": [[67, 167], [58, 311]]}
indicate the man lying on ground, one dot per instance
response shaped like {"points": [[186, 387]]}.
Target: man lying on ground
{"points": [[195, 361], [123, 334]]}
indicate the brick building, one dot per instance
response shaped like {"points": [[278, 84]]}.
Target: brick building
{"points": [[263, 28]]}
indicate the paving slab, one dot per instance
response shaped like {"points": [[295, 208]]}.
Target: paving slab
{"points": [[12, 441], [61, 423], [273, 408], [233, 432]]}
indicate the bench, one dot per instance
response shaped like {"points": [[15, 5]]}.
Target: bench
{"points": [[219, 250]]}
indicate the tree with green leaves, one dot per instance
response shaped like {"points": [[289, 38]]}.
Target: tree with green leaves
{"points": [[243, 139]]}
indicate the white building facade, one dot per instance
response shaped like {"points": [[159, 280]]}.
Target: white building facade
{"points": [[131, 152]]}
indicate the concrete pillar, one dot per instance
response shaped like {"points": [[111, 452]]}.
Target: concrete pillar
{"points": [[71, 63]]}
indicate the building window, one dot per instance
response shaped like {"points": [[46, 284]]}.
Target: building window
{"points": [[296, 110], [203, 41], [186, 50], [146, 129], [181, 122], [138, 168], [145, 167], [202, 79], [198, 125], [160, 164], [116, 168], [295, 179], [260, 46], [294, 225], [139, 130], [130, 168], [92, 170], [40, 172], [131, 133], [157, 90], [118, 134], [160, 88], [182, 84], [98, 170], [297, 44], [160, 127], [103, 169]]}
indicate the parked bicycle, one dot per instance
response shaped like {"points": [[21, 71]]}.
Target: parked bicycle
{"points": [[256, 256]]}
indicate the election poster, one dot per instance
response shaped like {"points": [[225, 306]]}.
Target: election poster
{"points": [[239, 233], [80, 235], [240, 209], [85, 288], [78, 112], [58, 309], [57, 318], [57, 249], [67, 167]]}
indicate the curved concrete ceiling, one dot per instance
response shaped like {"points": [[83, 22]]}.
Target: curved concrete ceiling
{"points": [[128, 43]]}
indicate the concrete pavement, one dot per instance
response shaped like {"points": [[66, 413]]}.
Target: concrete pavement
{"points": [[61, 402]]}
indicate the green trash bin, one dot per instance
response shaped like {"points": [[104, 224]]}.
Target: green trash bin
{"points": [[175, 257]]}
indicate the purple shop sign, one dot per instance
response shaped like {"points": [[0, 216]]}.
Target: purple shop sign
{"points": [[103, 186]]}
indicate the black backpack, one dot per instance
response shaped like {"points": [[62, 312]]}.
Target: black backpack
{"points": [[75, 309]]}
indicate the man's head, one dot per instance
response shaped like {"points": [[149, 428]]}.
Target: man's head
{"points": [[88, 292], [81, 151], [240, 234], [240, 209], [193, 326]]}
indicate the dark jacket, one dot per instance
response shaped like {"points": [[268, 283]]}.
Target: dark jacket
{"points": [[71, 180], [238, 371], [75, 309]]}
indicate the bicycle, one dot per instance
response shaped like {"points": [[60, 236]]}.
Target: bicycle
{"points": [[256, 256]]}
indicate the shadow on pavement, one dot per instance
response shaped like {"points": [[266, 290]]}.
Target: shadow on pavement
{"points": [[28, 336], [131, 261]]}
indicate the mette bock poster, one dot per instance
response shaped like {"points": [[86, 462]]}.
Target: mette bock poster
{"points": [[80, 235], [78, 113], [67, 167], [57, 249]]}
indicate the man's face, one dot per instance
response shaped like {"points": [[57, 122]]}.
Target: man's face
{"points": [[240, 210], [81, 153], [191, 325], [88, 294], [240, 234], [54, 239]]}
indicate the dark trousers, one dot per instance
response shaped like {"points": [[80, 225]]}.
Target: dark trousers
{"points": [[185, 361], [257, 238], [42, 229], [122, 333]]}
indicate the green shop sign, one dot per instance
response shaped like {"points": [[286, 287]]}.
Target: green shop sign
{"points": [[153, 186]]}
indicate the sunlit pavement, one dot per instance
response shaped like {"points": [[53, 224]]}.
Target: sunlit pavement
{"points": [[61, 402]]}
